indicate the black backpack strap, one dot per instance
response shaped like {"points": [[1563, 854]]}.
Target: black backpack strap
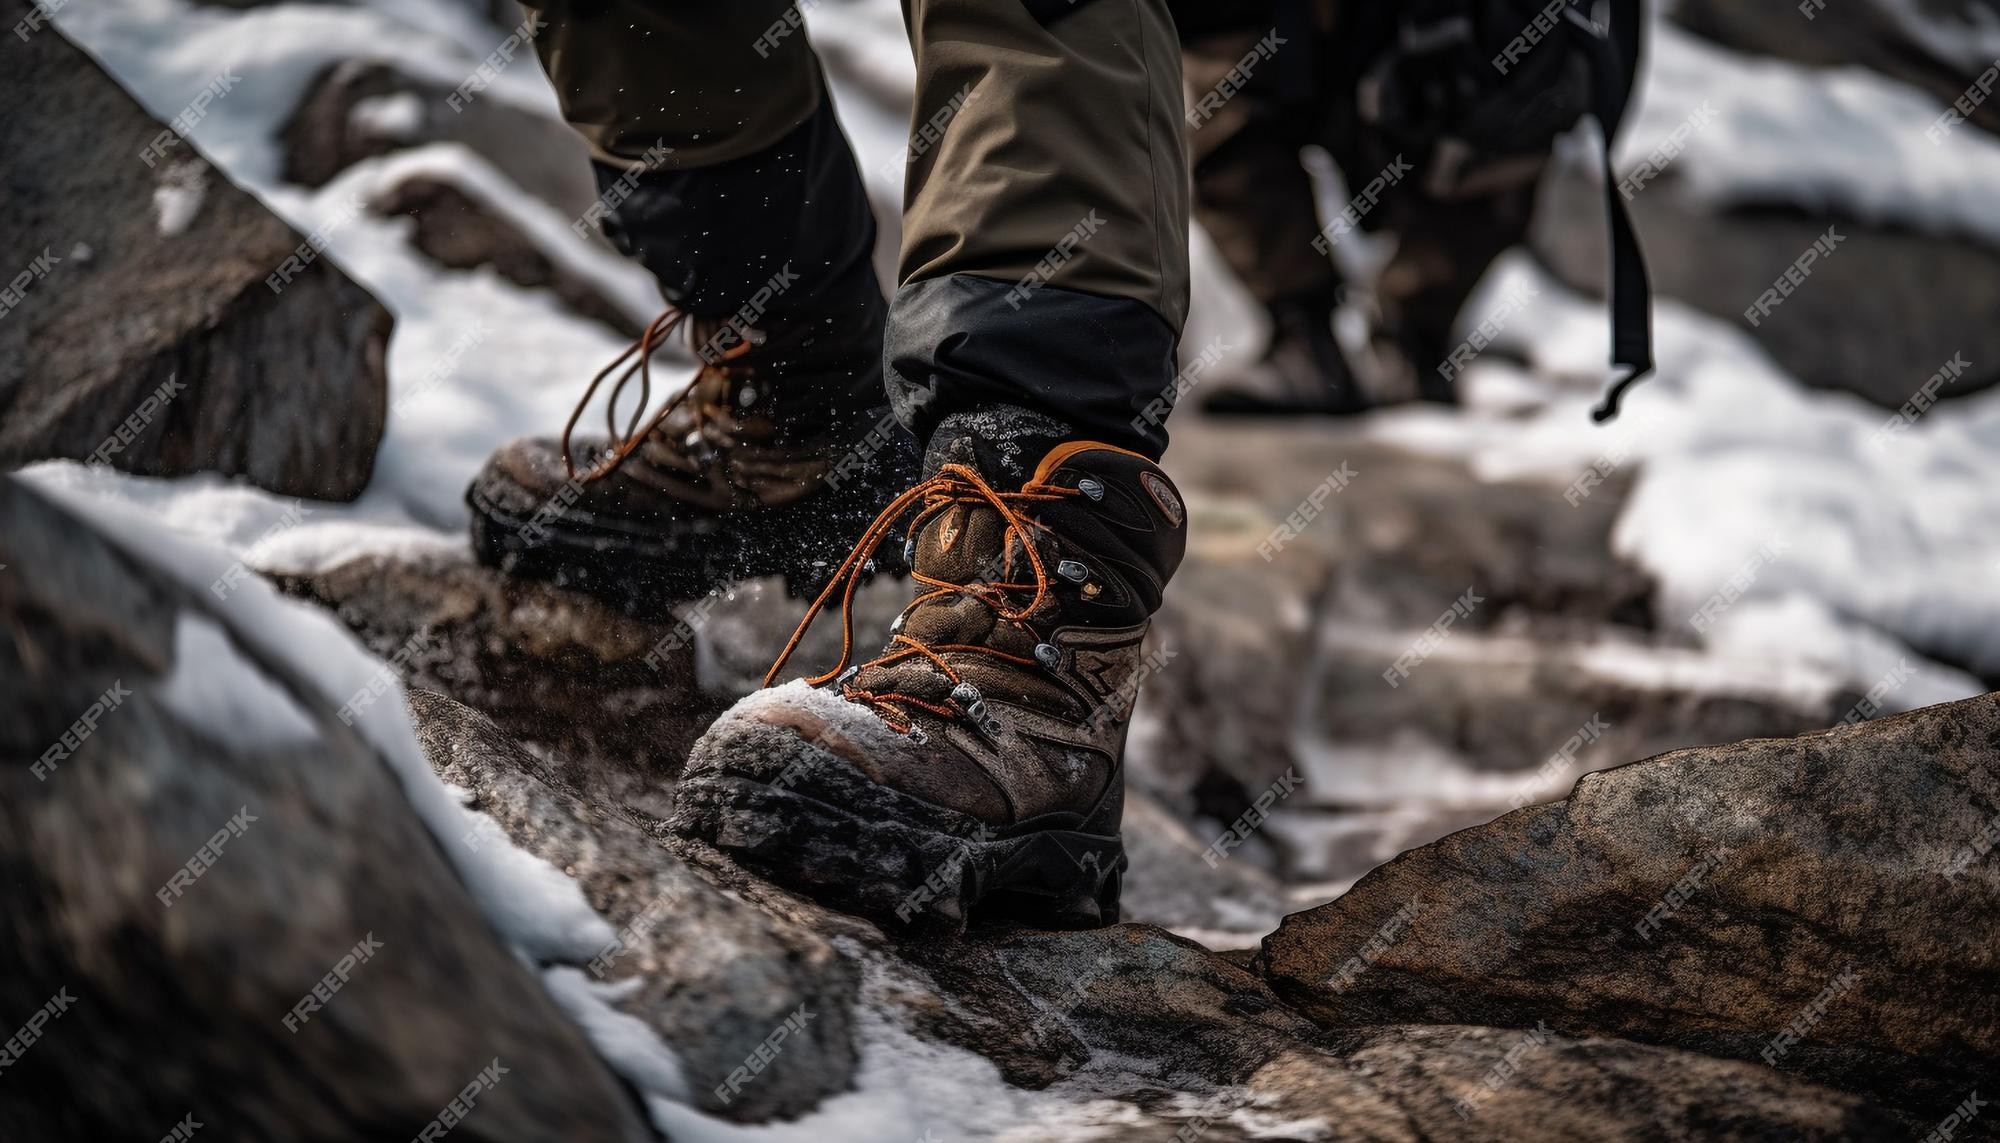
{"points": [[1614, 62]]}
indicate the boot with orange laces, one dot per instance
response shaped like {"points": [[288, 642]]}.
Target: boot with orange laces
{"points": [[978, 760], [778, 450]]}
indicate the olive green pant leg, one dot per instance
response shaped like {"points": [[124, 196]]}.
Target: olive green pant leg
{"points": [[1252, 193], [1044, 259], [1055, 125], [706, 80]]}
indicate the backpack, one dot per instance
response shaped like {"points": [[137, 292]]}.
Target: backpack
{"points": [[1477, 86]]}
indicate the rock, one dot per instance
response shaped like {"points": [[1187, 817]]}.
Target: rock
{"points": [[707, 972], [1933, 45], [171, 997], [1127, 1031], [462, 233], [1494, 1084], [357, 109], [1708, 899], [610, 697], [1117, 1009], [1929, 296], [1392, 546], [146, 331]]}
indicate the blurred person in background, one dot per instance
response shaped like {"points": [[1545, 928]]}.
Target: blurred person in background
{"points": [[1439, 146]]}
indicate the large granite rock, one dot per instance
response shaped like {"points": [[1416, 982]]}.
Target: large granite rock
{"points": [[707, 972], [1825, 904], [189, 859], [145, 332]]}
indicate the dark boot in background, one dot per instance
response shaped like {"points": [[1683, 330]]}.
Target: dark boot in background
{"points": [[1304, 370]]}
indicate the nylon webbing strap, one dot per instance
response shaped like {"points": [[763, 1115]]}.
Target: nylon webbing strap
{"points": [[1614, 61]]}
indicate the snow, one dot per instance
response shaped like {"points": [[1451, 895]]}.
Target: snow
{"points": [[1846, 142], [177, 198], [213, 686], [397, 115]]}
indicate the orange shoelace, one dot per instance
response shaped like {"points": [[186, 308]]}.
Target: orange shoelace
{"points": [[624, 445], [953, 485]]}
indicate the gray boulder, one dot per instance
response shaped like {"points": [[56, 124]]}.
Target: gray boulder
{"points": [[145, 329], [219, 902], [1930, 296], [1823, 904]]}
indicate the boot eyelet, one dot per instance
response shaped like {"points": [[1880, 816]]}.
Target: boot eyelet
{"points": [[896, 628], [1091, 487], [1073, 571], [910, 550], [1048, 655], [846, 676], [1092, 591]]}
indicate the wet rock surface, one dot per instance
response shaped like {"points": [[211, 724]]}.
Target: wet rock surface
{"points": [[705, 971], [1179, 1037], [1518, 1001]]}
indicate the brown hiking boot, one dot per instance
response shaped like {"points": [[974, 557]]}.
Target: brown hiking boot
{"points": [[758, 466], [978, 760]]}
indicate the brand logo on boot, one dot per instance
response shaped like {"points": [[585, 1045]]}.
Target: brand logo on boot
{"points": [[1163, 495], [948, 531]]}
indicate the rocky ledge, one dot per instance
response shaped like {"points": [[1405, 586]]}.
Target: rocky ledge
{"points": [[1779, 938]]}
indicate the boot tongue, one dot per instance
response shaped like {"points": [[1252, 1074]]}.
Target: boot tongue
{"points": [[1000, 442], [968, 542]]}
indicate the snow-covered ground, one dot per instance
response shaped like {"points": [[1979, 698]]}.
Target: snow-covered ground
{"points": [[1859, 553]]}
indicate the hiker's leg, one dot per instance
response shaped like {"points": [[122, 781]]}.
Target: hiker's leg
{"points": [[977, 761], [1443, 248], [1257, 97], [1044, 259], [1251, 190], [743, 170], [723, 171]]}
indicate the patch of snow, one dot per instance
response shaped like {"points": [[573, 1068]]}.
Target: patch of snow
{"points": [[214, 689], [397, 115], [1843, 141], [1899, 534], [627, 1043], [178, 196]]}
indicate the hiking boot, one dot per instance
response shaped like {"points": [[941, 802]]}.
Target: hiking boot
{"points": [[1303, 371], [757, 467], [978, 760]]}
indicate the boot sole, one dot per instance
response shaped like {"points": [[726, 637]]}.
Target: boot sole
{"points": [[903, 863], [646, 571]]}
